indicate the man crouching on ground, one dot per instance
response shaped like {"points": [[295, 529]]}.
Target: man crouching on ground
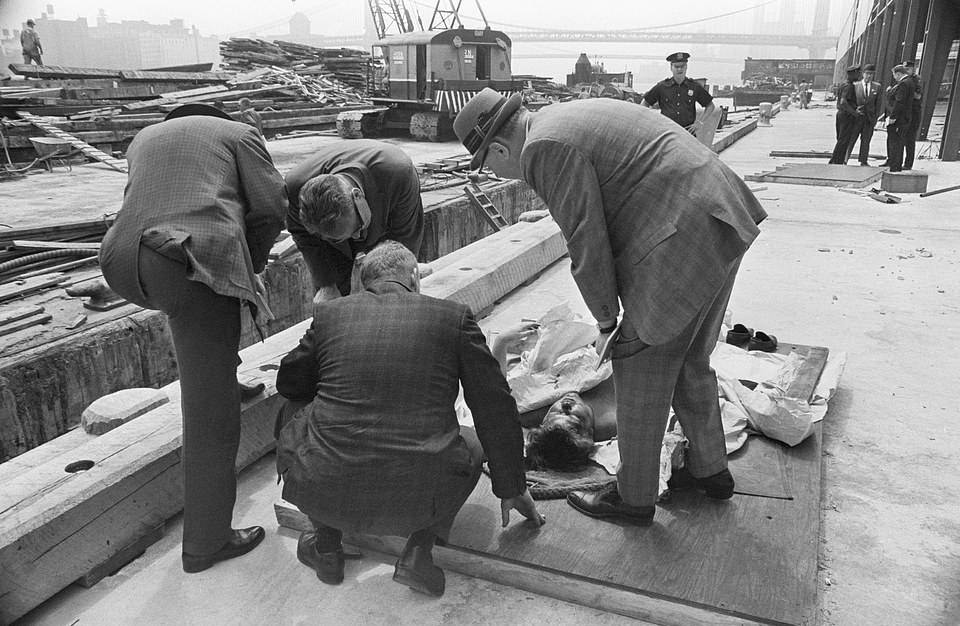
{"points": [[378, 448]]}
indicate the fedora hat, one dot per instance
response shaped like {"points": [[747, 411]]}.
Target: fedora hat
{"points": [[481, 118], [197, 109]]}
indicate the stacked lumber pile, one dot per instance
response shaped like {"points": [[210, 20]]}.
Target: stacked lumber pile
{"points": [[340, 65]]}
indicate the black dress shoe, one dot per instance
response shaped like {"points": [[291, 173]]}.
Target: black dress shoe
{"points": [[609, 504], [328, 565], [718, 486], [249, 392], [243, 540], [416, 570]]}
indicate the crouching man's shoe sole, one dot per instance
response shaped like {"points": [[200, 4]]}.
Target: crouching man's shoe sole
{"points": [[241, 542]]}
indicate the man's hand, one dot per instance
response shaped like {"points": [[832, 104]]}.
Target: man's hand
{"points": [[525, 505]]}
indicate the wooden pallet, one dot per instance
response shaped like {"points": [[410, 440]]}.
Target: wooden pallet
{"points": [[83, 147]]}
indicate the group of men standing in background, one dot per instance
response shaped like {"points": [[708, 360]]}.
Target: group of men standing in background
{"points": [[861, 102]]}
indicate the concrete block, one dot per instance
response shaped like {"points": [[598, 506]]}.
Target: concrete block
{"points": [[112, 410], [904, 182]]}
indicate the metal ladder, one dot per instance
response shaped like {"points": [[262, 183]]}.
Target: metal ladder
{"points": [[483, 204], [83, 147]]}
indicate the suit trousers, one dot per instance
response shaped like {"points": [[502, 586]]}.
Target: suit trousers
{"points": [[864, 133], [649, 379], [896, 140], [910, 141], [452, 489], [847, 128], [206, 336]]}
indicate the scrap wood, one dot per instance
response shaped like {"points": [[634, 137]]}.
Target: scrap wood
{"points": [[876, 194], [54, 245]]}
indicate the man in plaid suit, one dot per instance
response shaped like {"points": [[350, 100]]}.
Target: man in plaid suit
{"points": [[376, 447], [652, 219], [201, 210]]}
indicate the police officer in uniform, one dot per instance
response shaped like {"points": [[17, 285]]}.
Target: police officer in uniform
{"points": [[678, 95], [848, 117]]}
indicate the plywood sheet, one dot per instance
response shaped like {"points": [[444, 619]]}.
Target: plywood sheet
{"points": [[751, 557], [822, 174]]}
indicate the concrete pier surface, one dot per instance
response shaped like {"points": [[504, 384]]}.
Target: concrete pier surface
{"points": [[876, 281]]}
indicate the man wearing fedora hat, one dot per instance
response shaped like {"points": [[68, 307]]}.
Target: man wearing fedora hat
{"points": [[202, 207], [654, 221], [848, 117], [678, 96], [30, 44]]}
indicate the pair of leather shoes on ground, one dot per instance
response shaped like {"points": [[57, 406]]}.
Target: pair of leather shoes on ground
{"points": [[241, 541], [608, 503], [744, 337]]}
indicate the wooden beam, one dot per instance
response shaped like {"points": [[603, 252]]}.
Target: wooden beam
{"points": [[57, 527], [544, 581]]}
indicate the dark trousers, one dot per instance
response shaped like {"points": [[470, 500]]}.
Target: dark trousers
{"points": [[206, 335], [864, 133], [452, 489], [847, 127], [910, 142], [896, 141]]}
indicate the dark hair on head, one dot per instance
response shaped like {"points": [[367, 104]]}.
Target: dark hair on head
{"points": [[323, 199], [558, 448], [389, 260]]}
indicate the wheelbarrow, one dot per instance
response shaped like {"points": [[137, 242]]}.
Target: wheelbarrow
{"points": [[49, 148]]}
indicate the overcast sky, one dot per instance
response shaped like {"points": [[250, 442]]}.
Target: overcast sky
{"points": [[345, 16]]}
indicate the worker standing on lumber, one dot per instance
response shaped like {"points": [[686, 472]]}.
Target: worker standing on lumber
{"points": [[916, 114], [347, 198], [30, 44], [651, 220], [678, 96], [372, 444], [201, 210]]}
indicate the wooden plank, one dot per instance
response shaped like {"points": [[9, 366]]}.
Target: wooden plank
{"points": [[546, 582], [483, 275], [27, 322], [20, 288], [13, 315], [200, 77], [59, 71], [56, 527]]}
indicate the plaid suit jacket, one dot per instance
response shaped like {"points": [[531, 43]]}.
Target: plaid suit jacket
{"points": [[652, 218], [203, 191], [383, 369]]}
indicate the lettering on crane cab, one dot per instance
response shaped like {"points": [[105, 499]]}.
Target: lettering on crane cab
{"points": [[468, 55], [398, 57]]}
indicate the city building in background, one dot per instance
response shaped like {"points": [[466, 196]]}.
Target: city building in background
{"points": [[113, 45]]}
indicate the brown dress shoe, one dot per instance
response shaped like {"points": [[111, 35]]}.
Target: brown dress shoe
{"points": [[416, 570], [242, 541], [609, 504], [328, 565]]}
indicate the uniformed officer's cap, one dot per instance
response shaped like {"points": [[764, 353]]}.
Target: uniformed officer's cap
{"points": [[853, 69], [678, 57], [869, 67], [30, 22], [908, 63]]}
